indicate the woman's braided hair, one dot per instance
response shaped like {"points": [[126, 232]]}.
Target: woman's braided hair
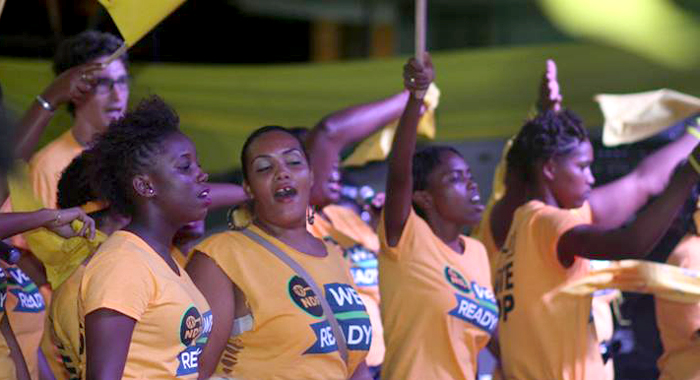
{"points": [[549, 134], [128, 148]]}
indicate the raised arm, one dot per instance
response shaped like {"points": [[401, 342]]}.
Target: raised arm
{"points": [[614, 203], [637, 239], [218, 290], [343, 128], [226, 195], [72, 85], [399, 183]]}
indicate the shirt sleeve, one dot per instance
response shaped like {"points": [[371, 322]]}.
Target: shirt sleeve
{"points": [[123, 283], [550, 226], [406, 241]]}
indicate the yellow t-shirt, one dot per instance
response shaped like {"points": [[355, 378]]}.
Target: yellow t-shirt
{"points": [[63, 327], [47, 165], [26, 312], [679, 323], [180, 257], [544, 333], [437, 305], [173, 319], [359, 245], [7, 366], [289, 337]]}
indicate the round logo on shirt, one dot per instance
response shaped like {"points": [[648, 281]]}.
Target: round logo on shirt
{"points": [[190, 326], [457, 280], [300, 292]]}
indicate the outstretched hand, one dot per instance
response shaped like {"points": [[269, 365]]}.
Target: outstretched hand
{"points": [[72, 85], [61, 224], [550, 97], [417, 76]]}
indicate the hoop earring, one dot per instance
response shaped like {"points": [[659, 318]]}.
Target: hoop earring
{"points": [[311, 216], [239, 217]]}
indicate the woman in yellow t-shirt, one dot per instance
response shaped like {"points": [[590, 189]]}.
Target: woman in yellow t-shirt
{"points": [[563, 225], [269, 322], [679, 323], [140, 314], [437, 305]]}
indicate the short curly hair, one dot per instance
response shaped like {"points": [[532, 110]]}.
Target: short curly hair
{"points": [[549, 134], [261, 131], [128, 148], [83, 48], [74, 188]]}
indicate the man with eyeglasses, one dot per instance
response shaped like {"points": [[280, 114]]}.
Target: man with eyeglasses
{"points": [[95, 95]]}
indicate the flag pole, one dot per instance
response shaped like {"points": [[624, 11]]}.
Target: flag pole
{"points": [[122, 49], [421, 13]]}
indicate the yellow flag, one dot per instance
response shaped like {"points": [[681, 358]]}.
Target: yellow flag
{"points": [[657, 29], [377, 146], [135, 18]]}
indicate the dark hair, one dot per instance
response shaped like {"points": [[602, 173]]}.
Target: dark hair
{"points": [[424, 162], [259, 132], [549, 134], [127, 148], [83, 48], [74, 187]]}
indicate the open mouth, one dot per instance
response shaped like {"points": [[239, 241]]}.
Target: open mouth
{"points": [[285, 194], [476, 199], [204, 196]]}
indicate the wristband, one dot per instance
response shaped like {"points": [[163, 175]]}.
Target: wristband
{"points": [[44, 104], [694, 163]]}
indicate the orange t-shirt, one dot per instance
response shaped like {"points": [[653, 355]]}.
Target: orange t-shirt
{"points": [[544, 333], [173, 319], [289, 337], [63, 326], [437, 305], [26, 312], [47, 165], [360, 245], [679, 323]]}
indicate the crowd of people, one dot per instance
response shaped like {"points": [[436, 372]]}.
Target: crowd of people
{"points": [[113, 280]]}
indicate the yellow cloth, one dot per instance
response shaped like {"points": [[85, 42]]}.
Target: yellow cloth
{"points": [[678, 323], [173, 319], [544, 333], [181, 258], [289, 337], [634, 117], [360, 246], [60, 256], [47, 165], [135, 18], [7, 366], [377, 146], [437, 305], [663, 281], [26, 312], [63, 328]]}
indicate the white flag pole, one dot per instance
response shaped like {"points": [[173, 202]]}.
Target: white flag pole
{"points": [[421, 17]]}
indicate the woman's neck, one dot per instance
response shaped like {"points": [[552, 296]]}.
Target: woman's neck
{"points": [[295, 236], [155, 232]]}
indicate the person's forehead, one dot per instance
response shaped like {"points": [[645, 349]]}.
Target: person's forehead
{"points": [[177, 145], [274, 142], [115, 68]]}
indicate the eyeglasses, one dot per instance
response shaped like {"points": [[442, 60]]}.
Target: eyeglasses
{"points": [[104, 85]]}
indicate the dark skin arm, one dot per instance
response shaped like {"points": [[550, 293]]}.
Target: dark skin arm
{"points": [[635, 240], [226, 194], [107, 339], [399, 184], [218, 289], [343, 128], [71, 85], [14, 223], [15, 352], [361, 372], [614, 203]]}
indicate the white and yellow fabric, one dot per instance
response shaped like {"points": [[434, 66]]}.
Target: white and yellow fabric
{"points": [[634, 117]]}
